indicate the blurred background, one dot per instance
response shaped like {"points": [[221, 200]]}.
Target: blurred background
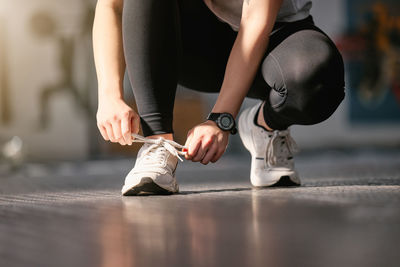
{"points": [[48, 90]]}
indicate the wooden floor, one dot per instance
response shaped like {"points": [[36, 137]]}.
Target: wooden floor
{"points": [[346, 213]]}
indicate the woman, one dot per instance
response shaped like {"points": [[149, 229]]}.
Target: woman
{"points": [[265, 49]]}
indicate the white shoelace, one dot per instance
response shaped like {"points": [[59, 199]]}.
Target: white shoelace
{"points": [[291, 144], [172, 147]]}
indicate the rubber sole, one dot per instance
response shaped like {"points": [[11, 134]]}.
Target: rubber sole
{"points": [[147, 187], [272, 177], [285, 181]]}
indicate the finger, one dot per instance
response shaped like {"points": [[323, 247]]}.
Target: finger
{"points": [[135, 124], [121, 141], [126, 129], [217, 155], [103, 132], [116, 127], [188, 140], [205, 145], [193, 148], [210, 153], [199, 155], [110, 133]]}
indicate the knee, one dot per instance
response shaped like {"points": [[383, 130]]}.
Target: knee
{"points": [[317, 90], [311, 85], [320, 104], [316, 66], [318, 84]]}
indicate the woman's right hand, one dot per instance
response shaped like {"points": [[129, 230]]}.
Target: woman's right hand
{"points": [[117, 121]]}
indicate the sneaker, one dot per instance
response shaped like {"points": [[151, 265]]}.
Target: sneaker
{"points": [[154, 170], [271, 152]]}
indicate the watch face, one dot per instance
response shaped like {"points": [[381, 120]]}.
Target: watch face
{"points": [[226, 122]]}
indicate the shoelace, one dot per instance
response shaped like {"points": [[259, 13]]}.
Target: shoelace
{"points": [[291, 144], [172, 147]]}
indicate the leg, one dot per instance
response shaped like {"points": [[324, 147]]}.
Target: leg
{"points": [[206, 45], [150, 33], [306, 75], [167, 41], [152, 43]]}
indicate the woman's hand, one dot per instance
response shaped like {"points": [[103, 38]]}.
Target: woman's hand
{"points": [[206, 142], [117, 121]]}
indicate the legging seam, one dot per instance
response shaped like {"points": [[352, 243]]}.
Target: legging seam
{"points": [[281, 72], [280, 69]]}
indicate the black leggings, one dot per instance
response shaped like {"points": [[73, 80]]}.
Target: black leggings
{"points": [[167, 42]]}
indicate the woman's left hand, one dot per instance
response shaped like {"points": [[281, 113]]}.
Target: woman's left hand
{"points": [[206, 142]]}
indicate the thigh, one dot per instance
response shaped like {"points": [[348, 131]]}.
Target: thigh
{"points": [[205, 47], [299, 58]]}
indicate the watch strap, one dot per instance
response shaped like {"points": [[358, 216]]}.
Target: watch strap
{"points": [[213, 116]]}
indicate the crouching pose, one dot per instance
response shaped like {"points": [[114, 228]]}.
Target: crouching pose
{"points": [[265, 49]]}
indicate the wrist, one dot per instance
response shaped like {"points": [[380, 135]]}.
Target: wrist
{"points": [[108, 93], [224, 121], [211, 123], [223, 105]]}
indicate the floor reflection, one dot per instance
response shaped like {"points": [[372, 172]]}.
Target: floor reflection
{"points": [[202, 235], [115, 241], [212, 230], [152, 231]]}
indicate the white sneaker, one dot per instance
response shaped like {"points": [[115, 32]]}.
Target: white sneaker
{"points": [[271, 152], [154, 170]]}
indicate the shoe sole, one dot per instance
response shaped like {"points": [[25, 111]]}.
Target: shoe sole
{"points": [[285, 177], [283, 181], [147, 187]]}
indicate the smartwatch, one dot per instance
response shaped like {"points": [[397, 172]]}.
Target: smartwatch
{"points": [[224, 121]]}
